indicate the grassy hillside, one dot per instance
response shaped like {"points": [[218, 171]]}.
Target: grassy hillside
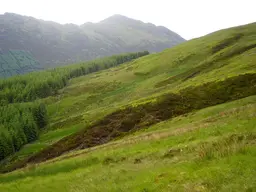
{"points": [[209, 150], [179, 120]]}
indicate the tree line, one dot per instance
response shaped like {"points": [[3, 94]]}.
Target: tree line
{"points": [[42, 84]]}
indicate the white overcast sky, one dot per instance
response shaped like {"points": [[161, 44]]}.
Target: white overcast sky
{"points": [[189, 18]]}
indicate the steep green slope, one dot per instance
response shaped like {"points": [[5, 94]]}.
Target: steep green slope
{"points": [[133, 118], [155, 74], [207, 71], [51, 44], [209, 150]]}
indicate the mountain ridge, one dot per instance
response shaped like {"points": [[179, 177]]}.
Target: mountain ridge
{"points": [[52, 44]]}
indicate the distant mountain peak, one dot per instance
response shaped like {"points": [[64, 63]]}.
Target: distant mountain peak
{"points": [[115, 18], [53, 44]]}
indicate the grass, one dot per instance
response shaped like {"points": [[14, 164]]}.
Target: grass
{"points": [[186, 153], [209, 149]]}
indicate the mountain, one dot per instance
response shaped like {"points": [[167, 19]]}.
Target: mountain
{"points": [[179, 120], [29, 44]]}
